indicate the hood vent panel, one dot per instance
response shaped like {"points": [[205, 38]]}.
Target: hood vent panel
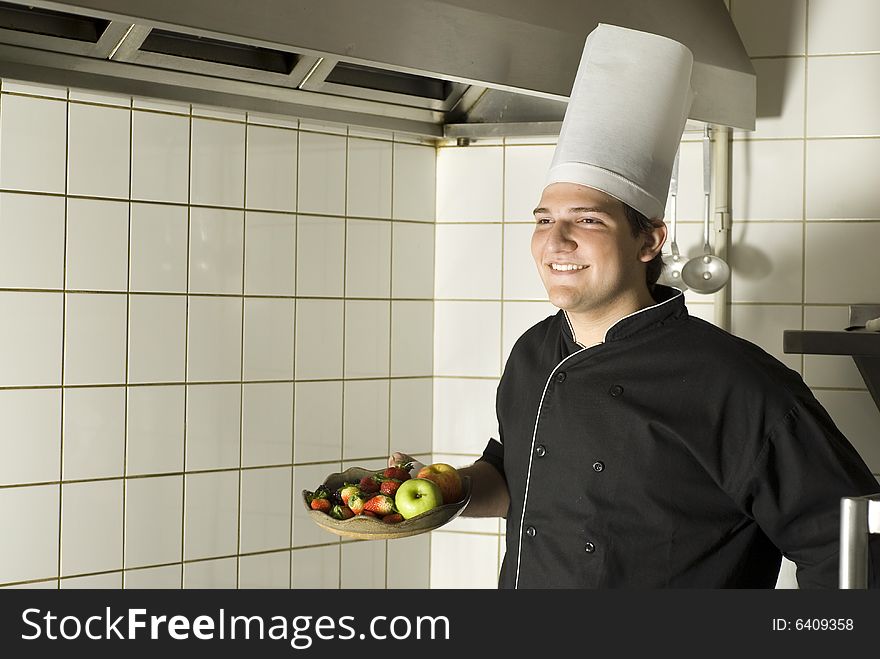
{"points": [[219, 52], [393, 82], [51, 23], [434, 68]]}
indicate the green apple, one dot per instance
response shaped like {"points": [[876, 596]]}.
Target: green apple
{"points": [[417, 496]]}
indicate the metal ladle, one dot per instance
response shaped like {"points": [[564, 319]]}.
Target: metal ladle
{"points": [[708, 273], [671, 275]]}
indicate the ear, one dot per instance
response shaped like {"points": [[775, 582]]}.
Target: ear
{"points": [[653, 241]]}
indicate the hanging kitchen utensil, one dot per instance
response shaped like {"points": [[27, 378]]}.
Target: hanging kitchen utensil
{"points": [[708, 273], [673, 263]]}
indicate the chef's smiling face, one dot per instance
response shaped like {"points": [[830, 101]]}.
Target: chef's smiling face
{"points": [[585, 251]]}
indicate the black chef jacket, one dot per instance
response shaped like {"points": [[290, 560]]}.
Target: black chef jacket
{"points": [[673, 454]]}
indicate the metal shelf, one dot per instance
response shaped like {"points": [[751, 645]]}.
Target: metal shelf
{"points": [[863, 346]]}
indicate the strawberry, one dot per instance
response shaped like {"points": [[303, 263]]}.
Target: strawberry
{"points": [[389, 487], [319, 499], [320, 504], [393, 518], [399, 472], [356, 503], [381, 504], [347, 490], [341, 512], [369, 485], [367, 513]]}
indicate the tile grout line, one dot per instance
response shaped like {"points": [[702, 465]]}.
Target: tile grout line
{"points": [[127, 349], [802, 358], [63, 330], [344, 308], [241, 360], [293, 364], [186, 348], [390, 320]]}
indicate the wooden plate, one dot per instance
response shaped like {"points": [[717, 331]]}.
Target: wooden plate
{"points": [[372, 528]]}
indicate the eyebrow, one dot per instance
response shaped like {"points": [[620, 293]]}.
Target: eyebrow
{"points": [[577, 209]]}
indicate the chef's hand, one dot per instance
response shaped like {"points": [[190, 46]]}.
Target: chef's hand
{"points": [[398, 459]]}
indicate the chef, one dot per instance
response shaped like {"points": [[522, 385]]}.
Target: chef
{"points": [[639, 446]]}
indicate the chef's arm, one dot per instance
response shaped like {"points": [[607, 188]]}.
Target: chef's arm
{"points": [[794, 491], [489, 497]]}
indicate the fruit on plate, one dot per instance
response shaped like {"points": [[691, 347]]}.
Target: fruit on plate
{"points": [[356, 502], [447, 479], [347, 491], [416, 496], [381, 504], [400, 471], [393, 518], [369, 484], [341, 512], [390, 486]]}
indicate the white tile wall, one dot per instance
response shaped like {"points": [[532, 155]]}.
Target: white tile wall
{"points": [[476, 174], [368, 192], [30, 515], [30, 443], [266, 498], [265, 570], [175, 352], [31, 241], [468, 261], [155, 417], [412, 260], [315, 567], [215, 246], [210, 574], [415, 178], [160, 157], [94, 432], [97, 245], [270, 254], [217, 163], [836, 106], [267, 423], [271, 168], [91, 527], [33, 132], [98, 156], [843, 26], [367, 258], [213, 426], [158, 253], [210, 515]]}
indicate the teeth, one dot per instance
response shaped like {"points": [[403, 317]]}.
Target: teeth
{"points": [[557, 266]]}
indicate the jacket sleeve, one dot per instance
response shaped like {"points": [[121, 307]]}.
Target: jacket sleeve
{"points": [[794, 488]]}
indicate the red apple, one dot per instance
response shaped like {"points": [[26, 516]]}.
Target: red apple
{"points": [[447, 479]]}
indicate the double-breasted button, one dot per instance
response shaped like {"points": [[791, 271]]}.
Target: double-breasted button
{"points": [[615, 390], [540, 450], [531, 531], [589, 547], [598, 465], [560, 377]]}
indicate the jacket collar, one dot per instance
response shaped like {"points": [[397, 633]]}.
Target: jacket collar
{"points": [[669, 304]]}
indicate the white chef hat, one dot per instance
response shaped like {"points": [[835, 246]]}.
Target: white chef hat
{"points": [[625, 117]]}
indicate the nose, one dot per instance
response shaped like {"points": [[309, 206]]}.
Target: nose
{"points": [[560, 239]]}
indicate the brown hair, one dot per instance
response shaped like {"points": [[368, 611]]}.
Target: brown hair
{"points": [[640, 224]]}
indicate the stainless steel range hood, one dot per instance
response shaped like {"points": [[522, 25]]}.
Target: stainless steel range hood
{"points": [[437, 68]]}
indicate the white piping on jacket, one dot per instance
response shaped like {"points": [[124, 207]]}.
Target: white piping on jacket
{"points": [[538, 418]]}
